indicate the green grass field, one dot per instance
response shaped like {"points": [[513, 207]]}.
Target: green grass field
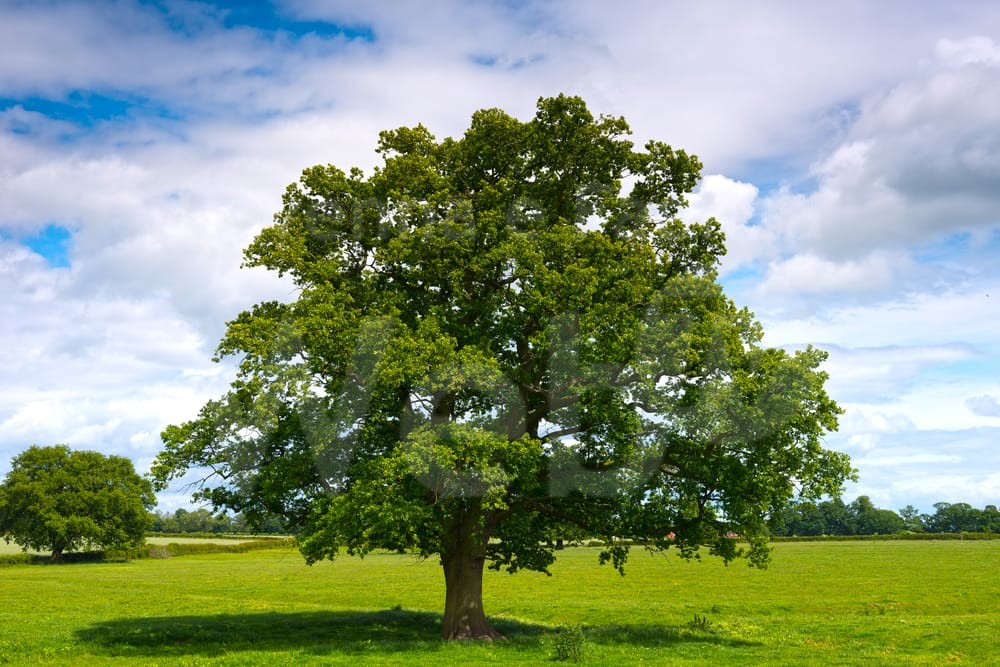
{"points": [[13, 548], [820, 603]]}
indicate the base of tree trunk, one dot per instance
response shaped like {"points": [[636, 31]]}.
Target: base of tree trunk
{"points": [[464, 617], [490, 635]]}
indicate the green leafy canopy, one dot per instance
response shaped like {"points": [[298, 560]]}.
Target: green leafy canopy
{"points": [[500, 335], [62, 500]]}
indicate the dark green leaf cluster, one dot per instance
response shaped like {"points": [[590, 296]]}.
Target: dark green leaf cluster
{"points": [[498, 335]]}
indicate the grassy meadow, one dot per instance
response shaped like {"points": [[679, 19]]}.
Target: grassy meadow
{"points": [[922, 603], [12, 548]]}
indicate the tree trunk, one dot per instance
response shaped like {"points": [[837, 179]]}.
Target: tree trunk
{"points": [[463, 561]]}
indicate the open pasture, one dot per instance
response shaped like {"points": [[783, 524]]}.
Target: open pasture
{"points": [[12, 548], [819, 603]]}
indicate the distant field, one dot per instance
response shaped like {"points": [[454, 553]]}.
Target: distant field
{"points": [[923, 603], [15, 549]]}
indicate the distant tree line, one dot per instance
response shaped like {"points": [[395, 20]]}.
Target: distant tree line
{"points": [[802, 518], [861, 517], [203, 521]]}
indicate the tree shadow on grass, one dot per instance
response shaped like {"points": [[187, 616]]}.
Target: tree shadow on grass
{"points": [[344, 632], [70, 558], [318, 633]]}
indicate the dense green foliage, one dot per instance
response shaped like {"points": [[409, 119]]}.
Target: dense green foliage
{"points": [[861, 517], [498, 335], [61, 500], [961, 517], [860, 603], [203, 521]]}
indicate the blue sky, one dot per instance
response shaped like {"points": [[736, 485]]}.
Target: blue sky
{"points": [[851, 152]]}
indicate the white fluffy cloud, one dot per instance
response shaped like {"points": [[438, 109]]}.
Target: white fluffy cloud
{"points": [[732, 203], [810, 274], [92, 372], [920, 162]]}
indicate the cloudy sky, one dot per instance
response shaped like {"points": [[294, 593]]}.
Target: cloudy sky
{"points": [[851, 151]]}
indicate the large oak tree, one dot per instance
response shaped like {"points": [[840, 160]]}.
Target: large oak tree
{"points": [[497, 335]]}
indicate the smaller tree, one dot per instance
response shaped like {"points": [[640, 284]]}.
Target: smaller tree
{"points": [[871, 520], [837, 517], [911, 519], [954, 518], [55, 499], [991, 519], [803, 517]]}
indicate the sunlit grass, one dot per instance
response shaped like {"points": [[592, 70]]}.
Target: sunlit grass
{"points": [[12, 548], [819, 603]]}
